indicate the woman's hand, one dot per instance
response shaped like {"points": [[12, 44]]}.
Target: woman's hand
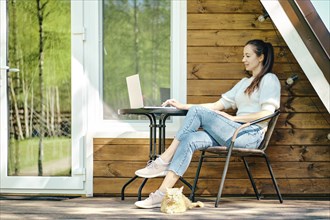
{"points": [[175, 103]]}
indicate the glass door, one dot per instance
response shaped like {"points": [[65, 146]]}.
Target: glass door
{"points": [[41, 133]]}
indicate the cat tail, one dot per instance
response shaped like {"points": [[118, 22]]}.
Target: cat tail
{"points": [[198, 204]]}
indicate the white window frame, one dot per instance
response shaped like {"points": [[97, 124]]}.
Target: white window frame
{"points": [[99, 127], [74, 184]]}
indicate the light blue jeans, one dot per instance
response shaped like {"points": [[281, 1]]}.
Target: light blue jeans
{"points": [[217, 130]]}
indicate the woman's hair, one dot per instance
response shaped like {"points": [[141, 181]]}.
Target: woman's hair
{"points": [[266, 49]]}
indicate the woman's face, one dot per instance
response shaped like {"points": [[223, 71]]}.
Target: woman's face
{"points": [[251, 61]]}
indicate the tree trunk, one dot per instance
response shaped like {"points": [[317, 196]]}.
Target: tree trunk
{"points": [[58, 112], [26, 111], [136, 40], [14, 81], [31, 112], [19, 130], [155, 50], [40, 10], [52, 110], [47, 111]]}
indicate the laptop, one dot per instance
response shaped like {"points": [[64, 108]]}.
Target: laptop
{"points": [[135, 93]]}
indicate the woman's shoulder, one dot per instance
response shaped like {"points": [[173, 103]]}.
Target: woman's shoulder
{"points": [[270, 77], [270, 82]]}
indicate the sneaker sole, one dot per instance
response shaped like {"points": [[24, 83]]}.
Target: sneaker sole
{"points": [[147, 207], [152, 176]]}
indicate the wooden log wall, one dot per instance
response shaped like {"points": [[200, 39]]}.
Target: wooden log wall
{"points": [[299, 149]]}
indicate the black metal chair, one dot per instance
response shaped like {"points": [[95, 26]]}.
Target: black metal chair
{"points": [[227, 152]]}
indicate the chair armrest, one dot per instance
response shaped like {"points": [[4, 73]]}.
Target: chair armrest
{"points": [[264, 118], [252, 123]]}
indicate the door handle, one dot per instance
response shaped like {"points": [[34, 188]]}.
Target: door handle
{"points": [[9, 69], [4, 67]]}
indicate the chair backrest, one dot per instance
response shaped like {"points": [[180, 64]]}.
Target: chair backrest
{"points": [[269, 132]]}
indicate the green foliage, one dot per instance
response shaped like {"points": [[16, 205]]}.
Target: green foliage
{"points": [[26, 51], [23, 155], [24, 46], [136, 35]]}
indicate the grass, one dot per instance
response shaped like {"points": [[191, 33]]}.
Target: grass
{"points": [[23, 156]]}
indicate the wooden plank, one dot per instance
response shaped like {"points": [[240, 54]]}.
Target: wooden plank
{"points": [[303, 104], [300, 137], [202, 71], [230, 55], [206, 187], [298, 153], [198, 99], [220, 71], [265, 186], [304, 121], [209, 87], [275, 153], [212, 169], [227, 21], [219, 38], [125, 141], [216, 6], [288, 153], [217, 87], [122, 152]]}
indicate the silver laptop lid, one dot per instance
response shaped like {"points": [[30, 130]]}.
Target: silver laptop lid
{"points": [[134, 91]]}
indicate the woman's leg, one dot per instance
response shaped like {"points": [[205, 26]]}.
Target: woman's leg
{"points": [[191, 124], [196, 141], [159, 166], [169, 181], [180, 162], [169, 152]]}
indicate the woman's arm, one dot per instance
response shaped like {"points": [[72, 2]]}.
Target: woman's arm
{"points": [[246, 118], [213, 106]]}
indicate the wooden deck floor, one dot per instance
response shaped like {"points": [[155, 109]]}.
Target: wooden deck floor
{"points": [[19, 207]]}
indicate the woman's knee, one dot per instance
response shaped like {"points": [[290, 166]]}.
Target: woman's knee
{"points": [[193, 142]]}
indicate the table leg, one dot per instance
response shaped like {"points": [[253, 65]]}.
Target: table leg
{"points": [[141, 187], [162, 130], [152, 155], [152, 136], [154, 139]]}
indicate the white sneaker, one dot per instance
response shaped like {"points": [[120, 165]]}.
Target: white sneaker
{"points": [[153, 201], [154, 168]]}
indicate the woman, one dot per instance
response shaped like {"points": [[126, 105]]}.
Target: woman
{"points": [[254, 97]]}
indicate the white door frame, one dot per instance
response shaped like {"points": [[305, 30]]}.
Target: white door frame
{"points": [[75, 184]]}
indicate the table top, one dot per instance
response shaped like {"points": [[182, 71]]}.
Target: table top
{"points": [[155, 111]]}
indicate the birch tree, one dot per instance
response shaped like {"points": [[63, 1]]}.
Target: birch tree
{"points": [[41, 6]]}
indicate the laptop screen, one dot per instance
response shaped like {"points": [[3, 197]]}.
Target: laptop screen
{"points": [[134, 91]]}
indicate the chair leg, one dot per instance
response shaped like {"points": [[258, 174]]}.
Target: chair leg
{"points": [[201, 158], [185, 182], [251, 178], [273, 179], [224, 173]]}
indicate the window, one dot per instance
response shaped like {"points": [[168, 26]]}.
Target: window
{"points": [[136, 40], [160, 59]]}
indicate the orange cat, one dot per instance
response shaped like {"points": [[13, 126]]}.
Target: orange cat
{"points": [[174, 202]]}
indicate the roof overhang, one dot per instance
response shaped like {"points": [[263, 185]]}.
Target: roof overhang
{"points": [[310, 52]]}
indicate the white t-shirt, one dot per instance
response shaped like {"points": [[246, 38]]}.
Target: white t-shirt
{"points": [[266, 97]]}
